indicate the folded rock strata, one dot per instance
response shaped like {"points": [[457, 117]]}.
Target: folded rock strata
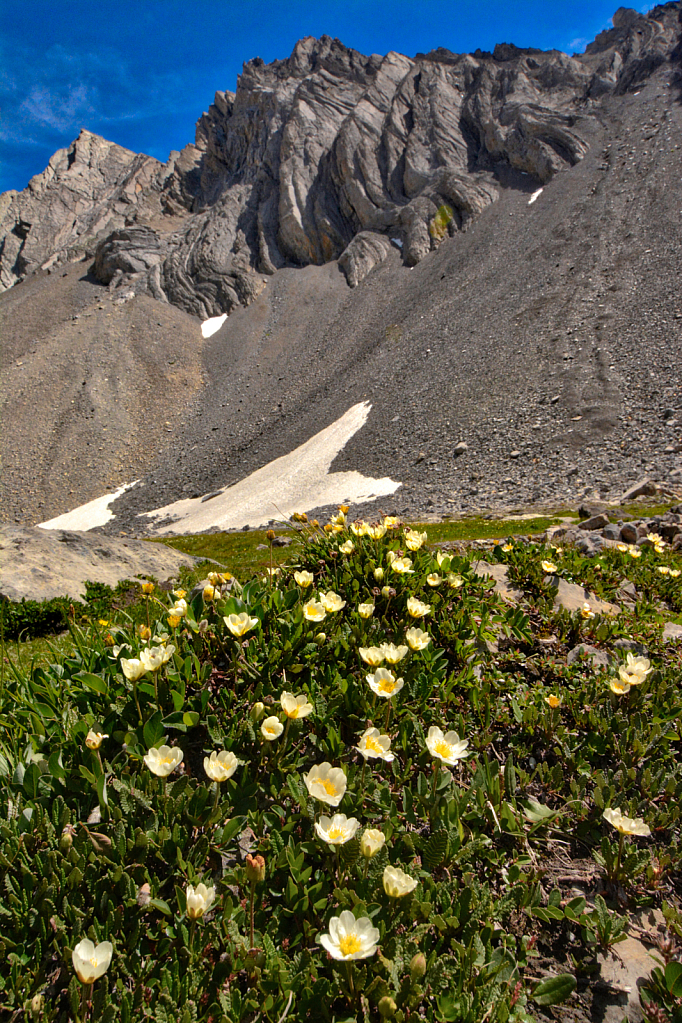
{"points": [[326, 155]]}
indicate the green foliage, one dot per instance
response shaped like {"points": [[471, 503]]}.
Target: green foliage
{"points": [[94, 845]]}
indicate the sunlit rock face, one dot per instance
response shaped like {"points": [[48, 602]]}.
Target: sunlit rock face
{"points": [[318, 149]]}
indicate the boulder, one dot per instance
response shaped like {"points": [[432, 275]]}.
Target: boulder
{"points": [[572, 596], [499, 573], [40, 564]]}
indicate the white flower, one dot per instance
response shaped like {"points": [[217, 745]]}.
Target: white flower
{"points": [[240, 624], [403, 566], [374, 746], [93, 740], [115, 650], [444, 560], [326, 783], [449, 747], [372, 655], [338, 830], [384, 683], [416, 609], [295, 706], [626, 825], [331, 602], [271, 728], [635, 670], [548, 567], [397, 883], [414, 539], [221, 766], [391, 521], [304, 579], [199, 900], [663, 569], [586, 611], [365, 610], [376, 532], [347, 548], [153, 657], [393, 653], [90, 962], [349, 938], [133, 668], [674, 573], [417, 639], [313, 611], [372, 842], [455, 580], [434, 579], [163, 761], [360, 528], [179, 609]]}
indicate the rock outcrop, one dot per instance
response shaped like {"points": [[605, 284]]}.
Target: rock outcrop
{"points": [[326, 155], [39, 564]]}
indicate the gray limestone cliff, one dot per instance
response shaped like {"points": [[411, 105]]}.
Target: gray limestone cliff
{"points": [[326, 155]]}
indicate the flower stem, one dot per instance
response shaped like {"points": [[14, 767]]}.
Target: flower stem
{"points": [[86, 999], [349, 971], [217, 795], [621, 842], [253, 892]]}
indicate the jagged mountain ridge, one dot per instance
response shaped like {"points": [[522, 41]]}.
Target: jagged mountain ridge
{"points": [[323, 155], [491, 324]]}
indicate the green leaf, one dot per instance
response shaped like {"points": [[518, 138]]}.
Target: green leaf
{"points": [[162, 906], [31, 779], [93, 681], [673, 979], [191, 718], [153, 730], [102, 790], [553, 990]]}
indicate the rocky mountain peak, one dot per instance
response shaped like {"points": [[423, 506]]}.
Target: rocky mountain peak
{"points": [[327, 154]]}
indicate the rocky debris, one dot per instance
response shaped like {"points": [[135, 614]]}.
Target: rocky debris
{"points": [[596, 522], [550, 329], [500, 574], [672, 632], [39, 564], [590, 537], [572, 597]]}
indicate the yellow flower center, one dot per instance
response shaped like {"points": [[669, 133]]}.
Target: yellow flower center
{"points": [[165, 760], [93, 960], [386, 686], [329, 788], [372, 744], [334, 833], [443, 748], [349, 945]]}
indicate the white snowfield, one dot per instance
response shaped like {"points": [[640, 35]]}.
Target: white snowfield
{"points": [[87, 516], [209, 327], [295, 482], [299, 482]]}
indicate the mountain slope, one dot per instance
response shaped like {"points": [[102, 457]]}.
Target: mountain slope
{"points": [[368, 219]]}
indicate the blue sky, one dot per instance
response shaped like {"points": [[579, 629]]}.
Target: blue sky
{"points": [[140, 72]]}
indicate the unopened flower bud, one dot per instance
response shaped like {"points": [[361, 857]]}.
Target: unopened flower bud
{"points": [[388, 592], [417, 967], [255, 869], [209, 593], [321, 638], [270, 534], [379, 574], [387, 1007], [144, 632], [66, 841], [257, 712], [147, 588], [37, 1003]]}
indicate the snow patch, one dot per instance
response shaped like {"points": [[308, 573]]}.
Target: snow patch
{"points": [[299, 482], [535, 195], [88, 516], [398, 242], [212, 325]]}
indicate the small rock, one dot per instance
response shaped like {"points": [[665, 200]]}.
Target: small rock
{"points": [[514, 454], [628, 533], [644, 488], [595, 522], [611, 531], [598, 657], [460, 448], [672, 632]]}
